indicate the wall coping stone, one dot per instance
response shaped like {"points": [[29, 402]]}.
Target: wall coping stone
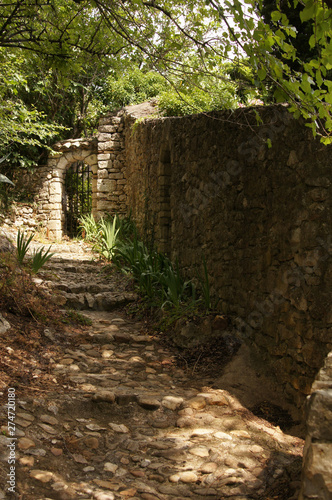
{"points": [[74, 144]]}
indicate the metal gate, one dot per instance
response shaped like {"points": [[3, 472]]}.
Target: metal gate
{"points": [[77, 196]]}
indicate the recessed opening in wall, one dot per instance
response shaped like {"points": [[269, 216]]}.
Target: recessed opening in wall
{"points": [[77, 199]]}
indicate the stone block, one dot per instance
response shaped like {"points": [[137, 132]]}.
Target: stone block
{"points": [[317, 483], [116, 176], [108, 146], [54, 225], [55, 188], [319, 421], [103, 174], [55, 199], [104, 205], [103, 157], [55, 214], [108, 129], [106, 185], [105, 137], [62, 163]]}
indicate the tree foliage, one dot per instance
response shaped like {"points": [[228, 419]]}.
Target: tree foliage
{"points": [[80, 48]]}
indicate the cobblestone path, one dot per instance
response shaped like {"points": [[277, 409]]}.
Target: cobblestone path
{"points": [[130, 424]]}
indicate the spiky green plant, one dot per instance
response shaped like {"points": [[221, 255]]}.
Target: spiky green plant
{"points": [[22, 242], [175, 288], [40, 258], [89, 228], [108, 238]]}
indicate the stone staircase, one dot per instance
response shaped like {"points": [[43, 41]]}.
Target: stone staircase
{"points": [[85, 285]]}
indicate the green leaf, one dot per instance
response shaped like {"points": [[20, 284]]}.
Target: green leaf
{"points": [[262, 74], [309, 11], [276, 15], [3, 178]]}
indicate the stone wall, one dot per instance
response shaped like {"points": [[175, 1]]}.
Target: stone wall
{"points": [[105, 156], [250, 191], [317, 462], [21, 215], [51, 178], [255, 201], [111, 170]]}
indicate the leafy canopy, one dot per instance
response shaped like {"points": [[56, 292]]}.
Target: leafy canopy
{"points": [[184, 41]]}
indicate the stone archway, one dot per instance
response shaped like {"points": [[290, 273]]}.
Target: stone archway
{"points": [[51, 196]]}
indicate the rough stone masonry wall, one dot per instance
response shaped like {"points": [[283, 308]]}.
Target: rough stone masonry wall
{"points": [[317, 476], [256, 202], [105, 156], [110, 188], [51, 182]]}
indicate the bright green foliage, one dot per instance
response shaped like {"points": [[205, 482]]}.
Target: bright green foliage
{"points": [[22, 243], [77, 45], [196, 100], [40, 258], [175, 289], [134, 257], [89, 228], [108, 238], [107, 233], [18, 122], [156, 277], [132, 87]]}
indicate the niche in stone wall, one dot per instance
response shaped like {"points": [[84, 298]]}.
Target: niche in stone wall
{"points": [[164, 181]]}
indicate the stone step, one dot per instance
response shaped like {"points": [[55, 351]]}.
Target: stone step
{"points": [[105, 301], [68, 267], [91, 288]]}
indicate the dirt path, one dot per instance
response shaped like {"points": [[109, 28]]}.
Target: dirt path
{"points": [[123, 421]]}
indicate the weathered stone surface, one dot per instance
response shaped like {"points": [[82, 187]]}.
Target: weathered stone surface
{"points": [[319, 421], [120, 428], [41, 475], [6, 245], [172, 403], [106, 396], [148, 402], [25, 443], [316, 473], [292, 245], [4, 325], [317, 482]]}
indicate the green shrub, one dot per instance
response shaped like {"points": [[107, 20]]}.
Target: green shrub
{"points": [[197, 100], [154, 273], [157, 279]]}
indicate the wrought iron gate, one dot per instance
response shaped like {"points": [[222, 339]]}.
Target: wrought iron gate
{"points": [[77, 197]]}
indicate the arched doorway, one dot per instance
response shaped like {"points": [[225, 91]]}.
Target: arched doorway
{"points": [[77, 196]]}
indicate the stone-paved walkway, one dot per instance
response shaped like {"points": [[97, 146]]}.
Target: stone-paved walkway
{"points": [[132, 425]]}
